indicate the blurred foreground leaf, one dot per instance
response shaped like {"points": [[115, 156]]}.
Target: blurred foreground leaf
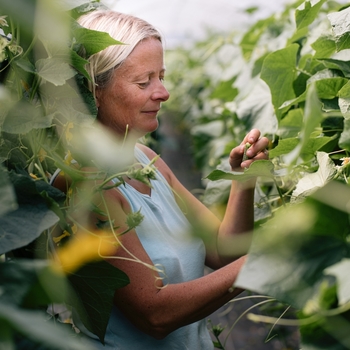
{"points": [[289, 254], [95, 285]]}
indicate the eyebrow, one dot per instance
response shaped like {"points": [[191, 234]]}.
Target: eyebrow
{"points": [[148, 73]]}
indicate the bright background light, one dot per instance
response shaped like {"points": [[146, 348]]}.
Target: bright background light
{"points": [[182, 21]]}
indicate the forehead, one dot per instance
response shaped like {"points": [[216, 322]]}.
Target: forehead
{"points": [[147, 55]]}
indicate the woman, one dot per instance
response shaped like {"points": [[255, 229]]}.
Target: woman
{"points": [[166, 310]]}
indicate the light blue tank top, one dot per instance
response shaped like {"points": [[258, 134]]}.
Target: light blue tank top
{"points": [[165, 235]]}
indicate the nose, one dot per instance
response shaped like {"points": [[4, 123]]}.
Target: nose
{"points": [[160, 93]]}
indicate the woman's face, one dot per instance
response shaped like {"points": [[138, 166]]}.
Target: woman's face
{"points": [[136, 91]]}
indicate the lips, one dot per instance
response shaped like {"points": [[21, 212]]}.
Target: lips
{"points": [[152, 113]]}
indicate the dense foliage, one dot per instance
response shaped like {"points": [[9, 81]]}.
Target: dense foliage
{"points": [[46, 121], [287, 75]]}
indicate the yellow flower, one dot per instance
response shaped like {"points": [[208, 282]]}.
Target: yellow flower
{"points": [[68, 159], [345, 160], [42, 154], [69, 135], [33, 176], [84, 248], [59, 238]]}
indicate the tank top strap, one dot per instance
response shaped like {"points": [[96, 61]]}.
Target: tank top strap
{"points": [[141, 156]]}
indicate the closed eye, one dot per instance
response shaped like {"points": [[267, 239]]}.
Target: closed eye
{"points": [[143, 85]]}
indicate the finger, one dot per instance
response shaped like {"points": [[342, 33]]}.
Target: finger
{"points": [[264, 155], [251, 137], [258, 147]]}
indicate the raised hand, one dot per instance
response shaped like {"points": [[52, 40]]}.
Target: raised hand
{"points": [[252, 148]]}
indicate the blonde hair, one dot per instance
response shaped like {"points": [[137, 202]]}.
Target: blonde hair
{"points": [[128, 29]]}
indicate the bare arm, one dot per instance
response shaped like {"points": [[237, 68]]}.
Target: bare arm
{"points": [[239, 215], [157, 309]]}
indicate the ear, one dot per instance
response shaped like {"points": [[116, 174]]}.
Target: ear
{"points": [[97, 97]]}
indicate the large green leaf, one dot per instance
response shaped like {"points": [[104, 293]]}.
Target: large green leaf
{"points": [[343, 66], [339, 22], [252, 36], [344, 100], [308, 14], [93, 40], [31, 283], [341, 272], [262, 168], [68, 5], [289, 254], [79, 64], [312, 118], [256, 111], [8, 199], [225, 90], [95, 285], [324, 46], [25, 116], [344, 140], [327, 333], [314, 144], [327, 87], [34, 325], [291, 124], [23, 225], [54, 70], [279, 72], [309, 183]]}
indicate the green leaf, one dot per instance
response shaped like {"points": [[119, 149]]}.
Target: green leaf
{"points": [[95, 285], [309, 183], [225, 90], [326, 85], [284, 146], [327, 333], [216, 192], [291, 124], [339, 21], [54, 70], [35, 326], [8, 201], [344, 100], [256, 111], [93, 40], [324, 46], [279, 72], [329, 88], [23, 117], [289, 254], [23, 225], [31, 283], [313, 144], [68, 5], [341, 272], [252, 36], [262, 168], [344, 141], [306, 16], [25, 64], [79, 64], [312, 118], [343, 66]]}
